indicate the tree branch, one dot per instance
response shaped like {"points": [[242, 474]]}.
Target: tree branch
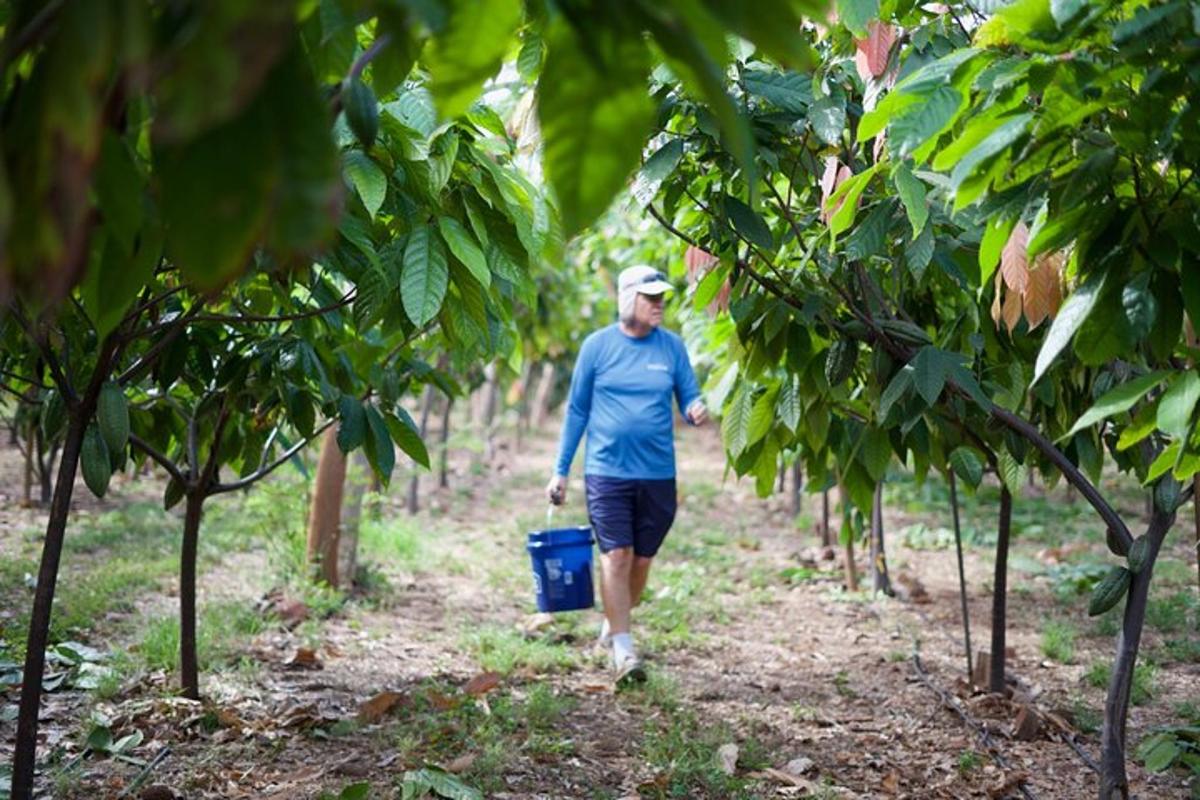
{"points": [[158, 457], [151, 355], [236, 319], [222, 488], [654, 212], [19, 394], [17, 376]]}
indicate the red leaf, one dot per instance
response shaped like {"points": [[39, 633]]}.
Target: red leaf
{"points": [[1044, 294], [378, 706], [482, 683], [836, 174], [1014, 263], [698, 262], [872, 56]]}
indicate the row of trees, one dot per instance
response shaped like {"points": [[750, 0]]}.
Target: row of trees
{"points": [[893, 265], [225, 230]]}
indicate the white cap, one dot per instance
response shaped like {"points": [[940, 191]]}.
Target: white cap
{"points": [[643, 279]]}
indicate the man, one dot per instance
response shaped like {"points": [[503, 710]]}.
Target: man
{"points": [[621, 393]]}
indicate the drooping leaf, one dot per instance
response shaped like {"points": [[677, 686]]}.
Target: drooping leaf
{"points": [[828, 119], [378, 445], [352, 427], [1077, 308], [735, 425], [594, 115], [912, 194], [405, 434], [855, 14], [368, 180], [425, 276], [1115, 401], [469, 50], [656, 169], [747, 222], [465, 249], [1177, 404]]}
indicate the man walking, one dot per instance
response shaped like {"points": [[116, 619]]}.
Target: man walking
{"points": [[621, 392]]}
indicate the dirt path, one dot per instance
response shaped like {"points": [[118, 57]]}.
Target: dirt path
{"points": [[751, 638]]}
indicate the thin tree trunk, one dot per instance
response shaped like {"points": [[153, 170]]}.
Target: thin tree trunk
{"points": [[25, 755], [444, 460], [189, 667], [30, 456], [352, 502], [1196, 519], [1113, 781], [849, 567], [826, 534], [325, 510], [1000, 592], [541, 398], [491, 396], [414, 484], [962, 575], [880, 581], [524, 407], [797, 487], [45, 463]]}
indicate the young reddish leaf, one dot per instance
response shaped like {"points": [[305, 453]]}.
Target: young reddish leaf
{"points": [[835, 175], [1044, 294], [872, 52], [1012, 309], [698, 262], [996, 300], [1014, 264]]}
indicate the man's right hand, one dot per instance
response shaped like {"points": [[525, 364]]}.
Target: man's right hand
{"points": [[556, 490]]}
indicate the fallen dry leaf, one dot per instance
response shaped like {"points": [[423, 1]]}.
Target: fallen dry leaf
{"points": [[462, 763], [378, 706], [303, 658], [482, 683], [727, 756]]}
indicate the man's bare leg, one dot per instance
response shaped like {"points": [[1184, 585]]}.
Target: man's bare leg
{"points": [[616, 568], [638, 574]]}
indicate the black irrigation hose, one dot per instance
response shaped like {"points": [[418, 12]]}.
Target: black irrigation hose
{"points": [[985, 738]]}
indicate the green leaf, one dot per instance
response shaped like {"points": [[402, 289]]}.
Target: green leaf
{"points": [[1073, 313], [1189, 285], [405, 434], [766, 468], [912, 194], [112, 417], [919, 252], [930, 370], [1163, 463], [465, 249], [529, 60], [735, 425], [595, 116], [1158, 752], [368, 180], [119, 191], [352, 428], [789, 91], [708, 287], [876, 452], [362, 110], [1064, 11], [749, 224], [425, 276], [895, 392], [1177, 404], [967, 465], [789, 404], [855, 14], [762, 416], [656, 169], [995, 235], [848, 193], [418, 783], [998, 140], [1012, 472], [828, 118], [771, 24], [1122, 398], [933, 115], [469, 50], [356, 791], [1139, 305], [378, 445]]}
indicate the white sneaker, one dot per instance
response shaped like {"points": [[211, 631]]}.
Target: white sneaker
{"points": [[628, 670]]}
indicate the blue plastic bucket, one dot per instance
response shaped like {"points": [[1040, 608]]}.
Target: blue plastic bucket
{"points": [[562, 568]]}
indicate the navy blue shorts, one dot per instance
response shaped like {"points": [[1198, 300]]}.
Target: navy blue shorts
{"points": [[628, 512]]}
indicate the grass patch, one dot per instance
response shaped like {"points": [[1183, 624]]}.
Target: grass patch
{"points": [[221, 632], [684, 753], [504, 650], [1141, 691], [1172, 613], [399, 541], [1058, 641]]}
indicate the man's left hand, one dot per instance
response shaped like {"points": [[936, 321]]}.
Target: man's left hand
{"points": [[697, 414]]}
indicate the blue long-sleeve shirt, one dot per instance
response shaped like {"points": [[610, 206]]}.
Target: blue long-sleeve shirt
{"points": [[621, 393]]}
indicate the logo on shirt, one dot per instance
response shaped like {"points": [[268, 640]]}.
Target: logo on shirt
{"points": [[657, 367]]}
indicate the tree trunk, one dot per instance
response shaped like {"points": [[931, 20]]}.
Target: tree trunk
{"points": [[541, 398], [491, 396], [352, 502], [1000, 592], [25, 753], [880, 581], [30, 456], [797, 487], [1113, 780], [962, 575], [851, 571], [524, 407], [444, 457], [45, 463], [1196, 519], [325, 512], [189, 666], [826, 534], [414, 483]]}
